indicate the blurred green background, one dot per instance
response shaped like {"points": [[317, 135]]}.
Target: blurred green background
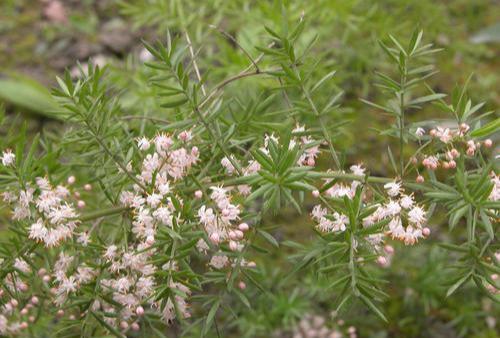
{"points": [[42, 39]]}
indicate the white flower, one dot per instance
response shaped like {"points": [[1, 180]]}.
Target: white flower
{"points": [[357, 170], [406, 202], [393, 188], [417, 216], [219, 261], [143, 143], [8, 158]]}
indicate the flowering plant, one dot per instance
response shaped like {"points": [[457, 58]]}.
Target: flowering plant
{"points": [[120, 228]]}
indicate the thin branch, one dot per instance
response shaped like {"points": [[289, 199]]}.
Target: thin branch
{"points": [[195, 65], [230, 37]]}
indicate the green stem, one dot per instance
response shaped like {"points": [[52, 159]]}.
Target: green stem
{"points": [[102, 213]]}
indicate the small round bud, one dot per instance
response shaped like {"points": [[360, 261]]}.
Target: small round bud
{"points": [[432, 132], [426, 232], [232, 235], [242, 285], [46, 278], [225, 212], [60, 313], [452, 164], [494, 276], [14, 302], [34, 300], [124, 325], [488, 143], [389, 249], [233, 246], [198, 194], [81, 204], [77, 194], [72, 317], [87, 187], [23, 287], [42, 272], [454, 153], [139, 311], [381, 260], [23, 325], [24, 311], [311, 162], [446, 165], [29, 306], [243, 227], [251, 264], [31, 319], [150, 240], [420, 179], [71, 179], [195, 151], [239, 234], [315, 193], [214, 238], [135, 327]]}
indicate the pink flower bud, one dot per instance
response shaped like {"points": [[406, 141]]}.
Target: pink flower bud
{"points": [[445, 165], [232, 235], [150, 240], [42, 272], [46, 278], [488, 143], [470, 151], [14, 302], [124, 325], [239, 234], [60, 313], [23, 287], [71, 179], [452, 164], [432, 132], [24, 325], [494, 276], [389, 249], [1, 292], [381, 260], [225, 212], [198, 194], [77, 194], [135, 327], [24, 311], [87, 187], [426, 232], [139, 311], [251, 264], [420, 179], [242, 285], [243, 227], [311, 162], [214, 238], [34, 300], [81, 204], [315, 193], [72, 317], [195, 151], [233, 246], [31, 319], [454, 153]]}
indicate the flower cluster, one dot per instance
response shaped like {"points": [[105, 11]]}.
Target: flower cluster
{"points": [[221, 223], [407, 218], [335, 222], [454, 143], [50, 209]]}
